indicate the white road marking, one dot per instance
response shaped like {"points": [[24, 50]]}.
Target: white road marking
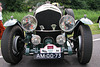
{"points": [[1, 57], [93, 40], [96, 39]]}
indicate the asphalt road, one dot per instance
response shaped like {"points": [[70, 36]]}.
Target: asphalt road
{"points": [[69, 61]]}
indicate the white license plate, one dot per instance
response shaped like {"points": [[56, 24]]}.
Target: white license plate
{"points": [[48, 56]]}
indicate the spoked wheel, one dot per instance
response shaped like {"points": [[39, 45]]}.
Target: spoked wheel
{"points": [[11, 44], [83, 43]]}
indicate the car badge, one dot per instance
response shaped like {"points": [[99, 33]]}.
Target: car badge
{"points": [[42, 27], [53, 26]]}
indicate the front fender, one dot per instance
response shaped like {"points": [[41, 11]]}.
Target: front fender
{"points": [[86, 21], [10, 22]]}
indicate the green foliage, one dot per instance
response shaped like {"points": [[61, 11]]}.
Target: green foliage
{"points": [[17, 15], [24, 5], [34, 2], [14, 5], [94, 4], [80, 4], [20, 5], [91, 14], [86, 4]]}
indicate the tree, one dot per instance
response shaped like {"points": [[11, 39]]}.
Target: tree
{"points": [[13, 5], [24, 5], [94, 4]]}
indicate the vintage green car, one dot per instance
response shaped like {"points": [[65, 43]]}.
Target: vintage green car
{"points": [[45, 36]]}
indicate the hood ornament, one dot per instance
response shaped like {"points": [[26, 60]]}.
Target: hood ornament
{"points": [[85, 15], [42, 27], [53, 26]]}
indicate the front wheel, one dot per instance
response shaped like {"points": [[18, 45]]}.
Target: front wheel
{"points": [[84, 43], [11, 45]]}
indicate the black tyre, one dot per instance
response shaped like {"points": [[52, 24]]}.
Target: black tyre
{"points": [[83, 43], [69, 12], [7, 43]]}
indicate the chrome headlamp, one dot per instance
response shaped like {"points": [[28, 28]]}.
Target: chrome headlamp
{"points": [[67, 23], [29, 23], [36, 39], [61, 39]]}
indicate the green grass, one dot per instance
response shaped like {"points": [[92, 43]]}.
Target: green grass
{"points": [[16, 15], [92, 15], [95, 28]]}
